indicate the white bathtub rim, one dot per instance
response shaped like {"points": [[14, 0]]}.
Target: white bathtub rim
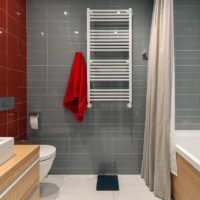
{"points": [[188, 157], [195, 162]]}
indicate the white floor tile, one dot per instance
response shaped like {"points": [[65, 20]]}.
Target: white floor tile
{"points": [[130, 181], [86, 195], [83, 187], [134, 194]]}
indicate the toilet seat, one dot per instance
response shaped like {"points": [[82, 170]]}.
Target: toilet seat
{"points": [[47, 152]]}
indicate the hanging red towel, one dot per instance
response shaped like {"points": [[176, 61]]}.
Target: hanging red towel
{"points": [[75, 98]]}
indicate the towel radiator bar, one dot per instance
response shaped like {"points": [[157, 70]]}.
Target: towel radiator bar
{"points": [[116, 39]]}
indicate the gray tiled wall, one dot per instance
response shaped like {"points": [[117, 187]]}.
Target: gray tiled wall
{"points": [[110, 138], [187, 46]]}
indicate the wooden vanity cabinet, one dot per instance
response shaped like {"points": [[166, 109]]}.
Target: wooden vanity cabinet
{"points": [[19, 176]]}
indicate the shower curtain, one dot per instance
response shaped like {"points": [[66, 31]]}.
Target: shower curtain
{"points": [[156, 153]]}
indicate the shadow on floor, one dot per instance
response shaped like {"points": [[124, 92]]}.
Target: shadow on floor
{"points": [[49, 190]]}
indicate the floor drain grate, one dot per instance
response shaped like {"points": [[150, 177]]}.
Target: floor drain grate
{"points": [[107, 183]]}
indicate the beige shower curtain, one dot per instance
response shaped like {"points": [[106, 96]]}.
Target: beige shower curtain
{"points": [[156, 152]]}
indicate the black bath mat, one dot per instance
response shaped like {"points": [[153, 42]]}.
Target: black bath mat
{"points": [[107, 183]]}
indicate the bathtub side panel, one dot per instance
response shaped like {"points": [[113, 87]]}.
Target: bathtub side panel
{"points": [[186, 185]]}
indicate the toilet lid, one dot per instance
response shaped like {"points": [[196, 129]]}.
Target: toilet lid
{"points": [[46, 152]]}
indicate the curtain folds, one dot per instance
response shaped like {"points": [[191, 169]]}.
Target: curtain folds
{"points": [[156, 153]]}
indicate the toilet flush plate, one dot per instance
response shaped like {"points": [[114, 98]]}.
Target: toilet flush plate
{"points": [[7, 103]]}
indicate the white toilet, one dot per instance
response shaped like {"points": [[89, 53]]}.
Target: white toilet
{"points": [[47, 156]]}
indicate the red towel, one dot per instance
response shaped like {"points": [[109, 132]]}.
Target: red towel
{"points": [[75, 98]]}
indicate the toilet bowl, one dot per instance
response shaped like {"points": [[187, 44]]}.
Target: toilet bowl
{"points": [[47, 156]]}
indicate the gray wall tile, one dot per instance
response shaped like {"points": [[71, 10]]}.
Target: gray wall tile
{"points": [[110, 138], [187, 46]]}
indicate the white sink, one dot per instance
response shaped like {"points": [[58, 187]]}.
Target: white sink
{"points": [[6, 148]]}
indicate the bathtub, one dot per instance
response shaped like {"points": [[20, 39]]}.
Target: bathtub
{"points": [[185, 186], [188, 146]]}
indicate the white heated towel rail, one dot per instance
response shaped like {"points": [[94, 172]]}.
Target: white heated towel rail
{"points": [[109, 32]]}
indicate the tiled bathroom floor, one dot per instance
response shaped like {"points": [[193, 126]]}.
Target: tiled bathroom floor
{"points": [[82, 187]]}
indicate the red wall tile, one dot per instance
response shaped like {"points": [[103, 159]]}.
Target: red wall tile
{"points": [[22, 126], [3, 76], [22, 33], [22, 4], [3, 4], [13, 66], [22, 110], [3, 91], [22, 17], [3, 130], [3, 117], [2, 48], [12, 8], [3, 19], [12, 27], [12, 129], [12, 52]]}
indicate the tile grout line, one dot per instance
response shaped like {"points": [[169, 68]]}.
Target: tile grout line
{"points": [[69, 155]]}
